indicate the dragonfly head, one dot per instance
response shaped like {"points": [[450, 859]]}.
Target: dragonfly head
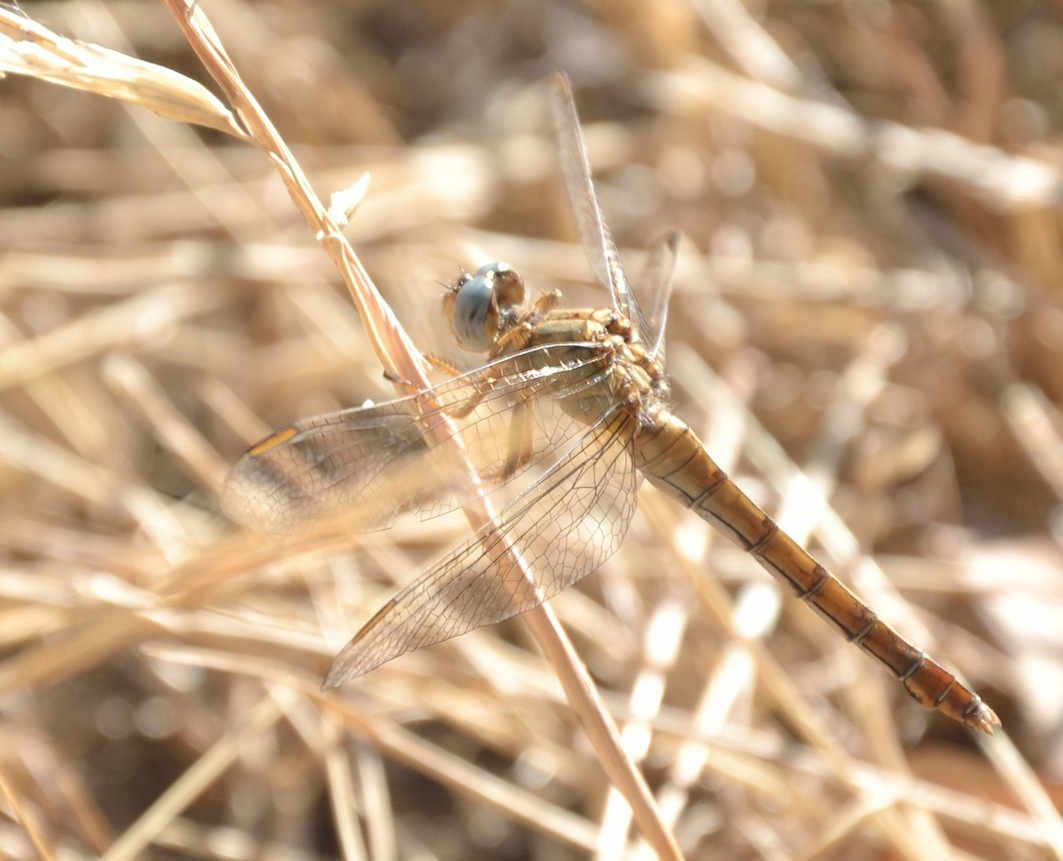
{"points": [[481, 306]]}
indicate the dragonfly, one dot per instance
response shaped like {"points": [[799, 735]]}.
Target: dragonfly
{"points": [[567, 413]]}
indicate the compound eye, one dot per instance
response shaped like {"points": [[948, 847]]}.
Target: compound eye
{"points": [[509, 290], [472, 311]]}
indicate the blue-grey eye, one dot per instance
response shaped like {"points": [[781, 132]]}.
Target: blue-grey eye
{"points": [[471, 308]]}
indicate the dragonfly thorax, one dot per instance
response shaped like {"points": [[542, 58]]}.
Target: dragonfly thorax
{"points": [[630, 375]]}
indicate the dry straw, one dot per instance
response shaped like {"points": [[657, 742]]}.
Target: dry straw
{"points": [[161, 670]]}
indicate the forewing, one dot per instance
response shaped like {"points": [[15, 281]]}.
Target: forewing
{"points": [[563, 527], [598, 245], [361, 466]]}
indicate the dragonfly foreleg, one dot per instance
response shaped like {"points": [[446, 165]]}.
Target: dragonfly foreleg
{"points": [[441, 364], [519, 337]]}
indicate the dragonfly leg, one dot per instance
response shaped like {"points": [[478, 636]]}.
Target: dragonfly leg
{"points": [[521, 447], [520, 335], [521, 440], [441, 364]]}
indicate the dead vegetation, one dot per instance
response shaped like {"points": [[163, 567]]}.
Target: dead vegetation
{"points": [[866, 330]]}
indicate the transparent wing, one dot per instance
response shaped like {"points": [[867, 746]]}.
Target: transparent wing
{"points": [[563, 527], [598, 245], [362, 466], [655, 284]]}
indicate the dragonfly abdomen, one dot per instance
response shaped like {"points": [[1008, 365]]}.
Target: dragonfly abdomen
{"points": [[673, 458]]}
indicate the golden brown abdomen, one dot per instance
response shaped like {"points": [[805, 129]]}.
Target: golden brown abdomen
{"points": [[672, 457]]}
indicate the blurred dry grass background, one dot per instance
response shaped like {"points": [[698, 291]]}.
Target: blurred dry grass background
{"points": [[868, 290]]}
